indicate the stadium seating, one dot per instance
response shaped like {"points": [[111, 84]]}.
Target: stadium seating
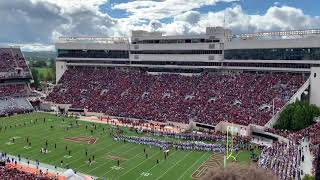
{"points": [[13, 64], [241, 98], [311, 133], [14, 75], [14, 90], [13, 105], [15, 174], [283, 159]]}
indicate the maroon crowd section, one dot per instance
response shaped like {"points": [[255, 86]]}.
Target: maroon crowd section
{"points": [[242, 98], [15, 174]]}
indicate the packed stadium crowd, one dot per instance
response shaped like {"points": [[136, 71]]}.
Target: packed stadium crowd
{"points": [[14, 88], [13, 64], [311, 134], [15, 174], [9, 170], [242, 98], [283, 159]]}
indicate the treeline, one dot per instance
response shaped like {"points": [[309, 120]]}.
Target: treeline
{"points": [[42, 71], [297, 116]]}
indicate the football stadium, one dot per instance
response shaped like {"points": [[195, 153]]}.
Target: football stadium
{"points": [[155, 106]]}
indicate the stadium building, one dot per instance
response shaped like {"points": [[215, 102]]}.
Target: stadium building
{"points": [[177, 85], [215, 81], [218, 50]]}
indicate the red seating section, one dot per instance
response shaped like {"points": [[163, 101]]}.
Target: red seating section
{"points": [[207, 98]]}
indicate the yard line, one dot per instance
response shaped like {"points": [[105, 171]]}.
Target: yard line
{"points": [[191, 166], [31, 152], [124, 162], [174, 165], [139, 164], [39, 135], [98, 149], [123, 152], [156, 165]]}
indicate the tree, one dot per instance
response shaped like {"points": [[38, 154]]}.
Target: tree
{"points": [[297, 116], [53, 69], [35, 74]]}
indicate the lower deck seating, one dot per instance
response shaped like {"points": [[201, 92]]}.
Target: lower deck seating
{"points": [[283, 159], [20, 89], [13, 105], [209, 98]]}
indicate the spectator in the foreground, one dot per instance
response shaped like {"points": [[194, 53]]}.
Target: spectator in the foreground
{"points": [[235, 172]]}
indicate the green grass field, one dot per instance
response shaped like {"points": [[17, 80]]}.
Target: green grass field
{"points": [[134, 165]]}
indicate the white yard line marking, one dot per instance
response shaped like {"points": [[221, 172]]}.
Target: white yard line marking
{"points": [[174, 165], [140, 163], [155, 165], [191, 166], [107, 161]]}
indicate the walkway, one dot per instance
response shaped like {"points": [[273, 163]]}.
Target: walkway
{"points": [[306, 165]]}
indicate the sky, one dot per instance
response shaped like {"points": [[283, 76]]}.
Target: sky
{"points": [[37, 24]]}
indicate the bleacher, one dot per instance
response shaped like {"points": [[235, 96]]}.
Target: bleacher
{"points": [[14, 105], [14, 82], [242, 98], [16, 174], [283, 159], [17, 89], [13, 64]]}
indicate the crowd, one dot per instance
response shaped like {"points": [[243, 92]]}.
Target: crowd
{"points": [[15, 174], [283, 159], [311, 134], [241, 98], [12, 105], [165, 145], [10, 171], [13, 86], [20, 89], [13, 64]]}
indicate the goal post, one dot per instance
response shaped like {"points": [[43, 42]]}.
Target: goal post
{"points": [[229, 142]]}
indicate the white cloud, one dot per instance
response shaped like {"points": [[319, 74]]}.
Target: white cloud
{"points": [[163, 9], [191, 17], [35, 22], [71, 6], [276, 18], [42, 21], [36, 47]]}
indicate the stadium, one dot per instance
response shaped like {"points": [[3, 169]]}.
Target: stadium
{"points": [[162, 107]]}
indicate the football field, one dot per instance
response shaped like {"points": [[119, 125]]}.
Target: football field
{"points": [[63, 136]]}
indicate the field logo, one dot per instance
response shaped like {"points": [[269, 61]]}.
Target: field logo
{"points": [[229, 142], [82, 139], [66, 156], [214, 161], [26, 147], [117, 168], [146, 174]]}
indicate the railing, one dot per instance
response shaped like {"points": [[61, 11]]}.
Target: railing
{"points": [[108, 40]]}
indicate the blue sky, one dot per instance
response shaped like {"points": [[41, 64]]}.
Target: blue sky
{"points": [[250, 6], [37, 24]]}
